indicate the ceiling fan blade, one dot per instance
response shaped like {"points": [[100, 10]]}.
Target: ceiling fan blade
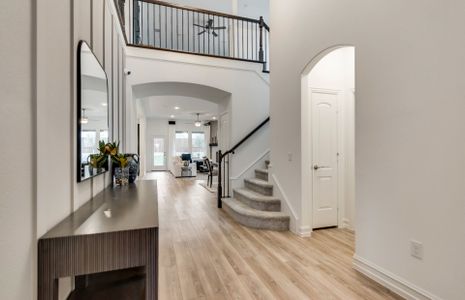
{"points": [[202, 32], [199, 25], [219, 28], [214, 34]]}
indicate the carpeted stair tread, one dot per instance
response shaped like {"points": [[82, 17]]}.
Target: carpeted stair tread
{"points": [[259, 182], [263, 171], [261, 174], [256, 196], [269, 220], [247, 211]]}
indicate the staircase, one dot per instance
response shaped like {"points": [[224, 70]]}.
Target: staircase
{"points": [[254, 205]]}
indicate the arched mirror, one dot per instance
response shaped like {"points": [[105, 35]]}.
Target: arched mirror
{"points": [[92, 114]]}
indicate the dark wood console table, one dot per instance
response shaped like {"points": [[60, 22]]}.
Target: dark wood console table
{"points": [[116, 230]]}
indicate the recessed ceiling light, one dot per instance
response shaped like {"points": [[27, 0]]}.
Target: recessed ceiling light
{"points": [[104, 104], [177, 107], [172, 116], [214, 118]]}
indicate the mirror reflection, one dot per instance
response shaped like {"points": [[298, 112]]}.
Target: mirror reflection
{"points": [[92, 114]]}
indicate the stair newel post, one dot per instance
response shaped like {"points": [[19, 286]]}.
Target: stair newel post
{"points": [[261, 53], [220, 187]]}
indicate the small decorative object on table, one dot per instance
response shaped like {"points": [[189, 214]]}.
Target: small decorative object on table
{"points": [[121, 169], [133, 163]]}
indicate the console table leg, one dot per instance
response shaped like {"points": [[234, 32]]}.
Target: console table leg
{"points": [[151, 269], [48, 289]]}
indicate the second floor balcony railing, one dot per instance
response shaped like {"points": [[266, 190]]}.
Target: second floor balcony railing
{"points": [[165, 26]]}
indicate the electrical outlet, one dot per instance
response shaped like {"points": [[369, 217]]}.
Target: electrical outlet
{"points": [[416, 249]]}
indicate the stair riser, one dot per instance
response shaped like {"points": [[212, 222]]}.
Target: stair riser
{"points": [[258, 223], [267, 191], [262, 176], [265, 206]]}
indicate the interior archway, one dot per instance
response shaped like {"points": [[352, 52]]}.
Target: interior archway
{"points": [[327, 134], [184, 104]]}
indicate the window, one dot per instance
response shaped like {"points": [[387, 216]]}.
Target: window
{"points": [[198, 145], [88, 144], [181, 143], [103, 136]]}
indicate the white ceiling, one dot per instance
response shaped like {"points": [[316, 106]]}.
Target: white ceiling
{"points": [[162, 107]]}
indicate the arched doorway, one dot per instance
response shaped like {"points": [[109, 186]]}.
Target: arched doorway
{"points": [[167, 113], [328, 136]]}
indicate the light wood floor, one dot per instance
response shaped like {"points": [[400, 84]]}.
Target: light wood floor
{"points": [[204, 254]]}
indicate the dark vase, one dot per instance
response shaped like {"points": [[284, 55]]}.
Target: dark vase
{"points": [[133, 164]]}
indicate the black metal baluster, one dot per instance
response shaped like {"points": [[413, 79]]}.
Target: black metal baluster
{"points": [[177, 29], [227, 177], [153, 24], [182, 29], [203, 18], [208, 36], [133, 24], [242, 25], [224, 176], [220, 186], [147, 35], [260, 51], [141, 23], [166, 27], [236, 42], [213, 37], [247, 44], [224, 39], [171, 29]]}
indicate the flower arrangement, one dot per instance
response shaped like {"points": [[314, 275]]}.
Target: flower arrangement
{"points": [[120, 161]]}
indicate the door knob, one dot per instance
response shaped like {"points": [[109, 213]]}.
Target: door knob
{"points": [[316, 167]]}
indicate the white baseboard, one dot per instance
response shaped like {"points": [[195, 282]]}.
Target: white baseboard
{"points": [[285, 204], [305, 231], [391, 281]]}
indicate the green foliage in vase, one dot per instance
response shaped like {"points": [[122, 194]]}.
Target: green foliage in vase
{"points": [[111, 148], [120, 159]]}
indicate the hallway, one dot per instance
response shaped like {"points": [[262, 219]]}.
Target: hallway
{"points": [[204, 254]]}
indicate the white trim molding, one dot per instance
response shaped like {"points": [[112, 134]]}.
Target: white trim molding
{"points": [[285, 204], [391, 281], [252, 165]]}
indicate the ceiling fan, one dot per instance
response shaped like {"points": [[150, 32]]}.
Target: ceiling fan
{"points": [[208, 27]]}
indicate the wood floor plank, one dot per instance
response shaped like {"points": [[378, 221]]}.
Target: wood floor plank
{"points": [[204, 254]]}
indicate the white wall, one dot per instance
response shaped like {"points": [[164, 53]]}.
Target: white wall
{"points": [[409, 126], [58, 192], [18, 246], [62, 24], [335, 72], [248, 86]]}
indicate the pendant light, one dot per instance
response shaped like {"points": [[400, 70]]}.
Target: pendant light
{"points": [[84, 119], [198, 123]]}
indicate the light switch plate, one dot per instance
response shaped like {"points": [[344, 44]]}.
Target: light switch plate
{"points": [[416, 249]]}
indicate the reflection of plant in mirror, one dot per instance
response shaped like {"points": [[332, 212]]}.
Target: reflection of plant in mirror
{"points": [[97, 161]]}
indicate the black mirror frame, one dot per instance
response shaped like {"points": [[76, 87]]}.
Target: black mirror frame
{"points": [[78, 111]]}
